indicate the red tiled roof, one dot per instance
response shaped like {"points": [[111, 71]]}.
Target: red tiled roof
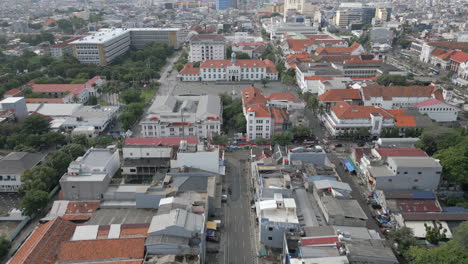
{"points": [[449, 44], [283, 97], [447, 55], [405, 121], [167, 141], [44, 100], [401, 152], [253, 95], [317, 78], [460, 56], [318, 36], [418, 206], [260, 110], [338, 95], [102, 249], [299, 44], [249, 44], [344, 110], [317, 241], [388, 92], [65, 43], [360, 152], [337, 58], [13, 92], [342, 50], [189, 69], [279, 115], [80, 211], [54, 88], [442, 216], [43, 244], [437, 52], [432, 102]]}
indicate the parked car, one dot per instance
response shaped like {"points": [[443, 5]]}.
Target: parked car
{"points": [[224, 198]]}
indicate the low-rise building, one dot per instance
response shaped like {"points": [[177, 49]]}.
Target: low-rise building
{"points": [[405, 173], [438, 110], [13, 165], [88, 176], [253, 49], [276, 217], [61, 49], [179, 116], [396, 97], [230, 70], [16, 105], [96, 116]]}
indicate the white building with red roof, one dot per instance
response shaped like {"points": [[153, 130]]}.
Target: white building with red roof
{"points": [[438, 110], [68, 93], [267, 115], [230, 70]]}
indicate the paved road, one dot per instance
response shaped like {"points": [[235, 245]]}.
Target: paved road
{"points": [[238, 237]]}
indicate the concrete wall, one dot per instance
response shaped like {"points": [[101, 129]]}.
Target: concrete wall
{"points": [[84, 190], [276, 234]]}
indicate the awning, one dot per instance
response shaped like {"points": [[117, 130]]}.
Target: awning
{"points": [[356, 168], [211, 225], [348, 165]]}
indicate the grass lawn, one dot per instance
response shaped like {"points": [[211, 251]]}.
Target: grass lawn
{"points": [[148, 94]]}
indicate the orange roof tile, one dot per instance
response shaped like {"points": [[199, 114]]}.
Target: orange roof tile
{"points": [[388, 92], [405, 121], [260, 110], [299, 44], [279, 115], [283, 96], [449, 44], [337, 95], [189, 69], [317, 78], [102, 249], [253, 95], [45, 100], [344, 110], [318, 36], [460, 56], [43, 244]]}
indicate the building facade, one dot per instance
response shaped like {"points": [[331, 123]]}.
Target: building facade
{"points": [[207, 47], [179, 116], [223, 4], [104, 46]]}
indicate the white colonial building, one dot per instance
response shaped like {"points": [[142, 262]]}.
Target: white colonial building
{"points": [[207, 47], [438, 111], [345, 118], [229, 70], [178, 116], [396, 97]]}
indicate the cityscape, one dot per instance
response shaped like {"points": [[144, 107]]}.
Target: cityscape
{"points": [[233, 132]]}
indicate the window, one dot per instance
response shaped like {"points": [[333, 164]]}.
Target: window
{"points": [[291, 230], [405, 172], [259, 127], [250, 121], [270, 228], [171, 129], [390, 180], [416, 180], [132, 170], [147, 153], [270, 238], [267, 128], [259, 121], [267, 121], [419, 172], [438, 172]]}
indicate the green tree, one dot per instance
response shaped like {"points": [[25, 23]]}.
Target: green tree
{"points": [[435, 234], [196, 64], [260, 141], [74, 150], [281, 139], [92, 100], [229, 52], [300, 131], [81, 140], [33, 202], [264, 82], [219, 139], [240, 122], [404, 237], [404, 43], [5, 245], [59, 161], [131, 96], [363, 132], [242, 56], [39, 178], [454, 161], [388, 79], [36, 124]]}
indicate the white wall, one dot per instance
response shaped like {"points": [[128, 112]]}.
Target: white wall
{"points": [[205, 160], [146, 152]]}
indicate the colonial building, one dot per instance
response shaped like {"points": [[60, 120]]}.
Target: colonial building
{"points": [[438, 111], [180, 116], [229, 70], [207, 47], [395, 97]]}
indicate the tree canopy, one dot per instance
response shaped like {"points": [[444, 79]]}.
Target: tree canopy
{"points": [[281, 139], [34, 201], [388, 79]]}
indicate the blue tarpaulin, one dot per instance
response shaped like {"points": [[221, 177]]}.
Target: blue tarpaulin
{"points": [[348, 165]]}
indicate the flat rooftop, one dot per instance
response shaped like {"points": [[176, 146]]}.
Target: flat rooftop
{"points": [[102, 36], [426, 162], [107, 216]]}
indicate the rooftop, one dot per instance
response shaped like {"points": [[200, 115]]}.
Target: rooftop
{"points": [[344, 110], [338, 95], [428, 162], [388, 92], [168, 141], [401, 152], [17, 162]]}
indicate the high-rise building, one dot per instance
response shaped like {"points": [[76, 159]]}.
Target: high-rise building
{"points": [[207, 47], [223, 4], [293, 5], [368, 14]]}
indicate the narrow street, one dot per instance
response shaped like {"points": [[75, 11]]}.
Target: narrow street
{"points": [[238, 237]]}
